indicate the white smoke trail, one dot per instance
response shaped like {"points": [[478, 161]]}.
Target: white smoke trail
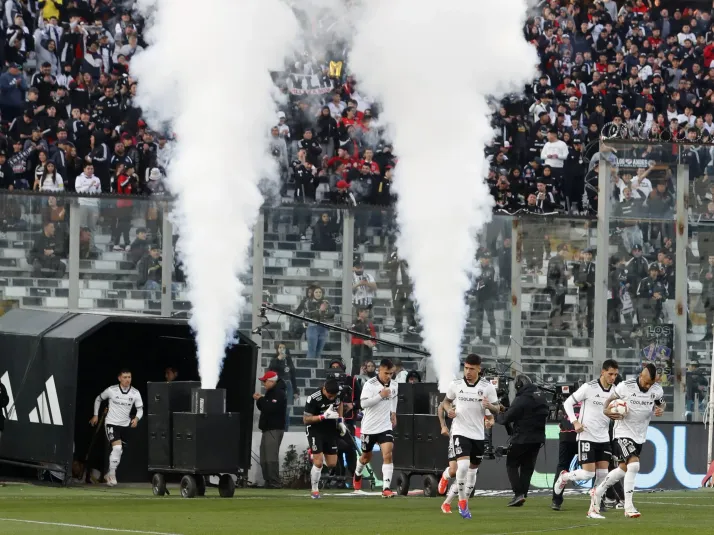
{"points": [[432, 64], [209, 78]]}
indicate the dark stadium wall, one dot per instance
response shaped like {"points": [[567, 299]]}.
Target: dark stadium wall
{"points": [[674, 457]]}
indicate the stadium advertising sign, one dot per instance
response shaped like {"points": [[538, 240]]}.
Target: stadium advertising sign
{"points": [[674, 457], [308, 84]]}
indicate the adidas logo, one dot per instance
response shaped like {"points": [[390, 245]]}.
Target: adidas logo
{"points": [[47, 410]]}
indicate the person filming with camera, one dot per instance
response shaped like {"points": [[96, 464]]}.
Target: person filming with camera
{"points": [[528, 414]]}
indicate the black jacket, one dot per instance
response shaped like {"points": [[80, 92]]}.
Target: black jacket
{"points": [[528, 414], [285, 369], [4, 400], [273, 406]]}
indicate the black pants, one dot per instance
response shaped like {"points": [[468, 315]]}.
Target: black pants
{"points": [[520, 463], [481, 307], [566, 451]]}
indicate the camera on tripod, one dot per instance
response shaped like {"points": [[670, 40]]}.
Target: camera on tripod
{"points": [[560, 393]]}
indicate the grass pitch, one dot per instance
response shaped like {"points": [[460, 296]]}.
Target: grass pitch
{"points": [[28, 509]]}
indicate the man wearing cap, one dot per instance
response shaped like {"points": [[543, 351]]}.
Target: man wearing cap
{"points": [[12, 92], [272, 406]]}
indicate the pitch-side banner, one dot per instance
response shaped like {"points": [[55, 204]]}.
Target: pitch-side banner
{"points": [[674, 457], [39, 418]]}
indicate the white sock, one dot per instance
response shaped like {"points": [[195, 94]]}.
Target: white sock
{"points": [[471, 480], [610, 479], [580, 475], [462, 470], [387, 471], [359, 468], [453, 491], [629, 483], [315, 474], [114, 459], [600, 475], [446, 475]]}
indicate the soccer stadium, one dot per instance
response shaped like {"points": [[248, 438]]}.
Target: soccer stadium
{"points": [[400, 266]]}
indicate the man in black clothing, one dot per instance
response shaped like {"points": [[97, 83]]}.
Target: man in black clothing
{"points": [[272, 406], [485, 293], [7, 177], [311, 147], [527, 414], [585, 281], [557, 285], [323, 426], [44, 255]]}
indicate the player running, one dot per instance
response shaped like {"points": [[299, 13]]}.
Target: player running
{"points": [[467, 428], [593, 428], [122, 398], [643, 397], [379, 403], [323, 426]]}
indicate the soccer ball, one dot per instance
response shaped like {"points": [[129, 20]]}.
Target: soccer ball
{"points": [[619, 406]]}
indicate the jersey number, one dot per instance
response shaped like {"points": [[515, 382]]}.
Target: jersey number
{"points": [[456, 442], [585, 446]]}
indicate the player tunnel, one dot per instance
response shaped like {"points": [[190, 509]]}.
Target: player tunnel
{"points": [[54, 364]]}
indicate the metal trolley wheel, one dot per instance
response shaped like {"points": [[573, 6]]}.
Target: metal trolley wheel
{"points": [[189, 487], [431, 486], [158, 485], [403, 484], [226, 486]]}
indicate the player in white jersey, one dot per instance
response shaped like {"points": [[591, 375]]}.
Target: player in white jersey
{"points": [[122, 398], [593, 429], [379, 404], [467, 427], [643, 397]]}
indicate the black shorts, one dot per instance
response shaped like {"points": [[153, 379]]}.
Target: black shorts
{"points": [[368, 441], [468, 447], [452, 455], [625, 448], [321, 442], [116, 432], [594, 452]]}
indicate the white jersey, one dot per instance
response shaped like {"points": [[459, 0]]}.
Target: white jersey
{"points": [[640, 407], [470, 413], [377, 413], [120, 404], [593, 397]]}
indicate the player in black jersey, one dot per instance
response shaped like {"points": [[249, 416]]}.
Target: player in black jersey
{"points": [[323, 426]]}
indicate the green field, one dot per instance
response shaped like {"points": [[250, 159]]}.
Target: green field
{"points": [[134, 510]]}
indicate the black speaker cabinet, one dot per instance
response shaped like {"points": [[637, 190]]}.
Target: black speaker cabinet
{"points": [[430, 446], [204, 401], [160, 442], [415, 398], [166, 398], [403, 453], [207, 443]]}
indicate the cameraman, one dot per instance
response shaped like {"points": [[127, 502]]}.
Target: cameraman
{"points": [[528, 414]]}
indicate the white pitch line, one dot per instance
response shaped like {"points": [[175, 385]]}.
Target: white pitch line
{"points": [[577, 526], [95, 528]]}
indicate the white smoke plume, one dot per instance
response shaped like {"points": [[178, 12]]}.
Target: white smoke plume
{"points": [[209, 80], [432, 65]]}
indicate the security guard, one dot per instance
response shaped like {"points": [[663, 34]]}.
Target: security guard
{"points": [[485, 292]]}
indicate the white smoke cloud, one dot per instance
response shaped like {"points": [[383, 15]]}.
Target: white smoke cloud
{"points": [[209, 79], [432, 64]]}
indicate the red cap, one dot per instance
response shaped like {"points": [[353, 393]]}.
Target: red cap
{"points": [[342, 184], [269, 376]]}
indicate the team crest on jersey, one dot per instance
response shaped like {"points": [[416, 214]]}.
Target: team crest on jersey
{"points": [[480, 392], [652, 396]]}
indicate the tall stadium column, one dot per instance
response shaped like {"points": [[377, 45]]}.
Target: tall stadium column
{"points": [[257, 294], [348, 240], [680, 283], [516, 303], [167, 265], [599, 342], [74, 230]]}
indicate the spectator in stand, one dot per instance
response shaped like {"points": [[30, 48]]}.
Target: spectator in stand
{"points": [[485, 293], [45, 254], [362, 349], [12, 92], [50, 180], [364, 288], [282, 364], [7, 177], [555, 153], [318, 308], [324, 234], [401, 287], [125, 184], [139, 247], [87, 183]]}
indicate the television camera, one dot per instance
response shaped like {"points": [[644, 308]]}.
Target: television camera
{"points": [[560, 392]]}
